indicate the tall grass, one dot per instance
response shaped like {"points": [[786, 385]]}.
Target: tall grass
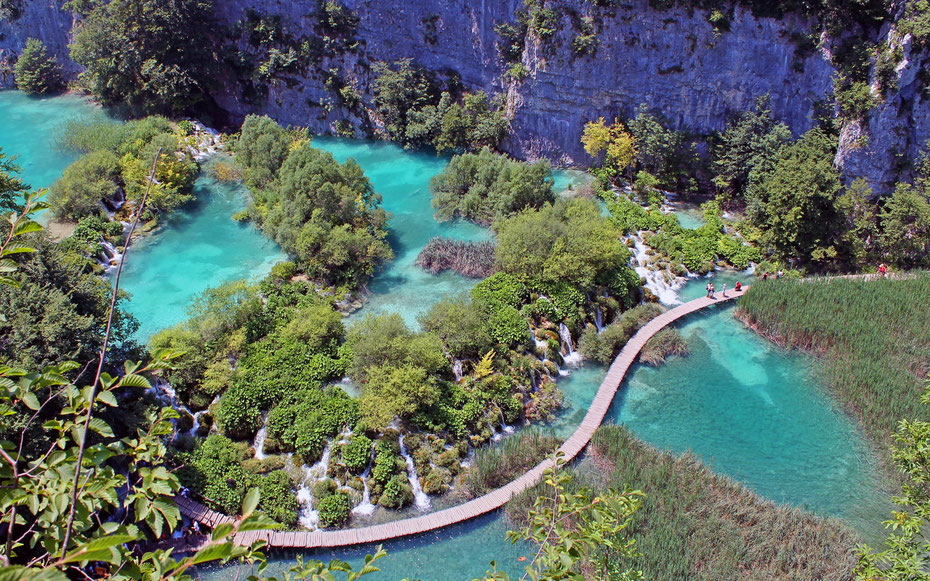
{"points": [[694, 524], [496, 466], [471, 259], [874, 337]]}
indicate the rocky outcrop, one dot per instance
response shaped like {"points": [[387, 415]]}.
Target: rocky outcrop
{"points": [[42, 19], [673, 61]]}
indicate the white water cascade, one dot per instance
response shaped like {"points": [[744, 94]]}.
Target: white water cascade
{"points": [[656, 280], [457, 369], [111, 256], [365, 507], [598, 318], [420, 498], [571, 358], [259, 443]]}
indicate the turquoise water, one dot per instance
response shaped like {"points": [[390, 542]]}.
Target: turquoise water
{"points": [[200, 247], [402, 179], [29, 127], [457, 553]]}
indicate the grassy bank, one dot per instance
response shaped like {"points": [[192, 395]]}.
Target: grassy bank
{"points": [[873, 336], [497, 466], [697, 525]]}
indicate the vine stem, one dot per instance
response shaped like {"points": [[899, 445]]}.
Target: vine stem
{"points": [[103, 351]]}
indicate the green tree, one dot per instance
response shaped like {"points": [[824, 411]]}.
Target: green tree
{"points": [[485, 186], [36, 72], [660, 151], [84, 185], [148, 57], [905, 225], [747, 151], [379, 340], [795, 205], [12, 187], [396, 392], [567, 241], [460, 324], [611, 146]]}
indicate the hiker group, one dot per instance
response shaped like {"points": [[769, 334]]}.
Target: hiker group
{"points": [[710, 289]]}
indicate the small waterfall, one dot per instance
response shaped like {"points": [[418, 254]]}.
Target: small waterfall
{"points": [[571, 358], [420, 498], [309, 518], [365, 507], [457, 369], [504, 427], [111, 256], [320, 469], [196, 426], [655, 279], [598, 318], [259, 443]]}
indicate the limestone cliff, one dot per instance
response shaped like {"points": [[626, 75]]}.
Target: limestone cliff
{"points": [[674, 61]]}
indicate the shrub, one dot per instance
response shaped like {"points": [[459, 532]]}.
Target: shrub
{"points": [[485, 186], [357, 453], [84, 185], [36, 72], [663, 345], [397, 493], [471, 259], [278, 500], [334, 510]]}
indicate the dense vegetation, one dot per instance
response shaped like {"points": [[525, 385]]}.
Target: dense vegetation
{"points": [[874, 338], [144, 57], [471, 259], [325, 214], [418, 109], [115, 167], [36, 72], [694, 524], [484, 187]]}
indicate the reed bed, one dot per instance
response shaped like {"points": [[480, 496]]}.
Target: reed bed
{"points": [[873, 335], [697, 525], [666, 343], [471, 259], [496, 466]]}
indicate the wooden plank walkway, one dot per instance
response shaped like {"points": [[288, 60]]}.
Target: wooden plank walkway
{"points": [[490, 501]]}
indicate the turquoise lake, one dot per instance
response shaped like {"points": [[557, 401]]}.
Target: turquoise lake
{"points": [[751, 410]]}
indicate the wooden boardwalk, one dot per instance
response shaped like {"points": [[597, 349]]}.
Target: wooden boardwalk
{"points": [[491, 501]]}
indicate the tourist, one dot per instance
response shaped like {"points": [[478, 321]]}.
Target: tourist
{"points": [[739, 286], [709, 288], [765, 276], [882, 270], [780, 272], [724, 289], [711, 285]]}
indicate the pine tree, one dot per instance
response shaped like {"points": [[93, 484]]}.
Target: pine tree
{"points": [[36, 72]]}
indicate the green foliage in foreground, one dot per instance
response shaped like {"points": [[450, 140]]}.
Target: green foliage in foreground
{"points": [[11, 186], [905, 557], [874, 334], [694, 524], [36, 72], [485, 186]]}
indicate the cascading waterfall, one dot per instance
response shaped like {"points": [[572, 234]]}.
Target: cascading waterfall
{"points": [[655, 279], [259, 443], [420, 498], [111, 256], [598, 318], [309, 518], [457, 369], [571, 358], [365, 507]]}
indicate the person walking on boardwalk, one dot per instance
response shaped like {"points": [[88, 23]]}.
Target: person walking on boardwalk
{"points": [[739, 286], [710, 289], [724, 289], [882, 270]]}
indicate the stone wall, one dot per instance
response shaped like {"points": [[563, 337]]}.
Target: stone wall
{"points": [[673, 61]]}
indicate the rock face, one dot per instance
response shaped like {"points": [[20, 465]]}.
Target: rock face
{"points": [[42, 19], [673, 61]]}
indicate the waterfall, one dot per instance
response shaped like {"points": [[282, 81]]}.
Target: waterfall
{"points": [[320, 469], [656, 279], [571, 358], [598, 318], [365, 507], [196, 426], [457, 369], [420, 498], [309, 518], [111, 255], [504, 427], [259, 443]]}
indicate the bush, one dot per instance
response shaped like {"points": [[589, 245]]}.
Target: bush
{"points": [[36, 72], [357, 453], [334, 510], [471, 259], [397, 493], [485, 186], [278, 500], [84, 185], [460, 324]]}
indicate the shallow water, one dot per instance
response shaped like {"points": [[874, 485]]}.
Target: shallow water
{"points": [[29, 127], [198, 248]]}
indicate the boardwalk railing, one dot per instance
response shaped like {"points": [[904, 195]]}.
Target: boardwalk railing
{"points": [[490, 501]]}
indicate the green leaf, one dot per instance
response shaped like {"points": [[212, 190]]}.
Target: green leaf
{"points": [[26, 226], [17, 573], [108, 398], [99, 549], [214, 552], [30, 400], [250, 503], [133, 380], [101, 427]]}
